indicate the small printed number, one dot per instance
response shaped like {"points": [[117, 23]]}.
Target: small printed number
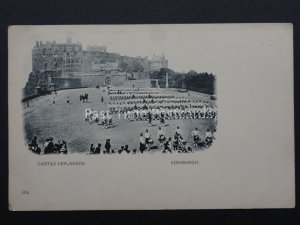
{"points": [[25, 192]]}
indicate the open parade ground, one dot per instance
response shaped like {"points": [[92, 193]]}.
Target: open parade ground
{"points": [[63, 121]]}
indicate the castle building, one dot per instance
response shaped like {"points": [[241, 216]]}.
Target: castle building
{"points": [[96, 48], [68, 65], [108, 66], [56, 56]]}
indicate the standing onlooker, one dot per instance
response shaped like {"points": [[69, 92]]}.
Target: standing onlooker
{"points": [[142, 143], [161, 136], [92, 149], [107, 146]]}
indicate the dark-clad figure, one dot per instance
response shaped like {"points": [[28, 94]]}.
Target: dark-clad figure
{"points": [[149, 119], [167, 146], [92, 149], [126, 149], [189, 149], [57, 146], [98, 149], [37, 150], [34, 146], [162, 119], [102, 99], [142, 143], [121, 150], [107, 146], [34, 142], [196, 137], [49, 146], [64, 149]]}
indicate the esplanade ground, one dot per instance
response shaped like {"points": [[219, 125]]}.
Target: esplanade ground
{"points": [[66, 122]]}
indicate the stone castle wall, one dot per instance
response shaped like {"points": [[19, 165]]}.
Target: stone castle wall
{"points": [[67, 62]]}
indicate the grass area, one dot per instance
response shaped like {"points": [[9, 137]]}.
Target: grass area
{"points": [[64, 121]]}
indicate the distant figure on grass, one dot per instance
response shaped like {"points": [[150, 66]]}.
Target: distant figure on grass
{"points": [[106, 121], [49, 146], [53, 100], [177, 133], [107, 146], [161, 136], [208, 137], [98, 149], [148, 139], [102, 99], [92, 149], [149, 119], [57, 147], [121, 150], [124, 149], [168, 146], [34, 146], [196, 137], [64, 149], [33, 142], [142, 143], [162, 119], [214, 134], [60, 147], [68, 100]]}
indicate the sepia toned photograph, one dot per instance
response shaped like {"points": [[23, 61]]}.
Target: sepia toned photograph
{"points": [[151, 117]]}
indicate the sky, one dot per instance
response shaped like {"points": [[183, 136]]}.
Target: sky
{"points": [[212, 48], [185, 47]]}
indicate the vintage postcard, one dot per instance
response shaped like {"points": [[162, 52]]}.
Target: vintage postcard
{"points": [[181, 116]]}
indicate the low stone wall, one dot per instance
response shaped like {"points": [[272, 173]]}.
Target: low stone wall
{"points": [[118, 80], [91, 80], [64, 83], [101, 80]]}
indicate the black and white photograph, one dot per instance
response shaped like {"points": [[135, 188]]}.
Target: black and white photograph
{"points": [[151, 116], [100, 96]]}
